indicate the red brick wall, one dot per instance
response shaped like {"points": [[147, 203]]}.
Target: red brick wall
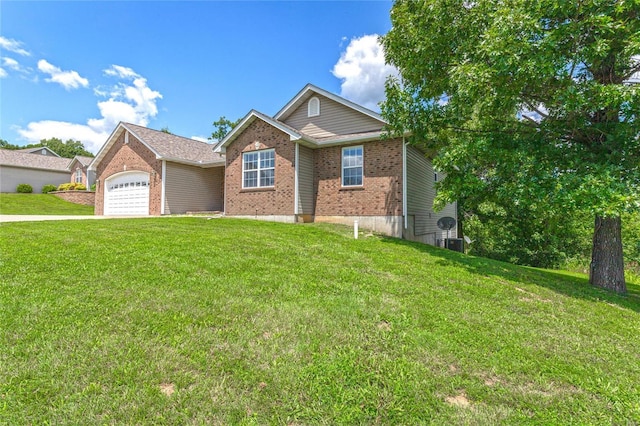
{"points": [[78, 197], [381, 193], [135, 157], [271, 201]]}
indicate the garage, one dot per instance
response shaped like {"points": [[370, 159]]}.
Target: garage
{"points": [[127, 194]]}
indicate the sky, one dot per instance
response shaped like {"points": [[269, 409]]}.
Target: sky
{"points": [[73, 70]]}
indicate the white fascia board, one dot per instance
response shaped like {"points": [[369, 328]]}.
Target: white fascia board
{"points": [[344, 141], [336, 98], [202, 164], [104, 148], [248, 119], [156, 153]]}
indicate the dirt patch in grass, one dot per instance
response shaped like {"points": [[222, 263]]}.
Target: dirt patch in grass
{"points": [[167, 388], [459, 400]]}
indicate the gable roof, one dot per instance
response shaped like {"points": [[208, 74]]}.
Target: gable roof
{"points": [[297, 135], [250, 118], [39, 148], [83, 160], [165, 146], [309, 90], [25, 159]]}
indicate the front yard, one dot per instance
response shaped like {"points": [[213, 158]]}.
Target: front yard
{"points": [[40, 204], [191, 321]]}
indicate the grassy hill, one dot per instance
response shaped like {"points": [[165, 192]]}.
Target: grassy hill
{"points": [[36, 204], [189, 320]]}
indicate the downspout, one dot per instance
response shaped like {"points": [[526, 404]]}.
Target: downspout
{"points": [[404, 183], [296, 196], [163, 192], [224, 189]]}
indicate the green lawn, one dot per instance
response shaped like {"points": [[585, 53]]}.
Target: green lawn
{"points": [[35, 204], [196, 321]]}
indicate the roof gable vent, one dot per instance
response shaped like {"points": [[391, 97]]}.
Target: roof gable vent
{"points": [[313, 107]]}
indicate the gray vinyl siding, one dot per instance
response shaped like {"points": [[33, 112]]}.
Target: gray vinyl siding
{"points": [[11, 177], [420, 192], [305, 180], [334, 119], [190, 188]]}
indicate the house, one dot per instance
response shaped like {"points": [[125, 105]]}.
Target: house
{"points": [[140, 171], [323, 158], [34, 168], [320, 158], [42, 150], [80, 172]]}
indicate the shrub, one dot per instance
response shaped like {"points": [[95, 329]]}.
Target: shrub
{"points": [[24, 188], [72, 186], [93, 187], [66, 186], [48, 188]]}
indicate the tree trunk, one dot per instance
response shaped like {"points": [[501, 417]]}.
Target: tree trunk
{"points": [[607, 263]]}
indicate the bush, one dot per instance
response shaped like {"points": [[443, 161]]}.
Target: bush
{"points": [[71, 186], [93, 187], [24, 188], [48, 188], [66, 186]]}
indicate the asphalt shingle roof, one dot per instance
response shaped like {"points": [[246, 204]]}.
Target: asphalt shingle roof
{"points": [[85, 161], [175, 147], [24, 159]]}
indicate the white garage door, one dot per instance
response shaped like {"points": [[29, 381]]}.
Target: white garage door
{"points": [[127, 194]]}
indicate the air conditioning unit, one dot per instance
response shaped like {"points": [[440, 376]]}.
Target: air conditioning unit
{"points": [[455, 244]]}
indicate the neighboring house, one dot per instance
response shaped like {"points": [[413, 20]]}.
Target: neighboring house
{"points": [[323, 158], [320, 158], [140, 171], [35, 169], [42, 150], [80, 172]]}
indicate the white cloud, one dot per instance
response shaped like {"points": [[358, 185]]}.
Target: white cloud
{"points": [[3, 73], [11, 63], [130, 101], [363, 71], [122, 72], [13, 46], [67, 79]]}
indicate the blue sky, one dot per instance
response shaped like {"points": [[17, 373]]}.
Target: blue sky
{"points": [[74, 69]]}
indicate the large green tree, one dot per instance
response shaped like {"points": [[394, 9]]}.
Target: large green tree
{"points": [[222, 126], [68, 149], [528, 101]]}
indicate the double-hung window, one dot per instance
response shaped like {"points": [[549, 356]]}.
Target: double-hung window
{"points": [[352, 166], [78, 176], [258, 169]]}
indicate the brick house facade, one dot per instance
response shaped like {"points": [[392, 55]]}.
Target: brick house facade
{"points": [[277, 200], [131, 156], [320, 158], [381, 192]]}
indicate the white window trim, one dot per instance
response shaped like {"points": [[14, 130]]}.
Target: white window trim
{"points": [[342, 167], [259, 169], [78, 171], [310, 111]]}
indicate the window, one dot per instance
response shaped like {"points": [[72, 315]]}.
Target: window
{"points": [[435, 177], [352, 166], [313, 107], [78, 176], [258, 169]]}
